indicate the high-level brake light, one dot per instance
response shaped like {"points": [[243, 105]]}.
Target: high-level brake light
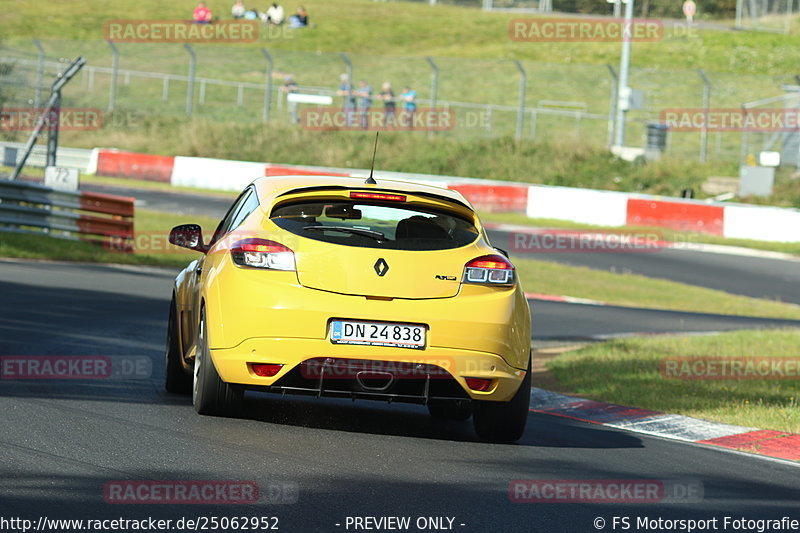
{"points": [[378, 196]]}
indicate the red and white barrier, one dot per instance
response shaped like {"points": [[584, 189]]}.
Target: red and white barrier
{"points": [[121, 164], [675, 214], [588, 206]]}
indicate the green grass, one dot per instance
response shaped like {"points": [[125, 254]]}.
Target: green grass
{"points": [[474, 55], [640, 291], [416, 29], [547, 162], [472, 49], [627, 372]]}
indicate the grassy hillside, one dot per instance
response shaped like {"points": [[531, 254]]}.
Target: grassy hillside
{"points": [[405, 28], [389, 41]]}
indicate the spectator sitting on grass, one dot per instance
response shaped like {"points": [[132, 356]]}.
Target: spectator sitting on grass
{"points": [[238, 9], [299, 19], [251, 14], [201, 14], [274, 15]]}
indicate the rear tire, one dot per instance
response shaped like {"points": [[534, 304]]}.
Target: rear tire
{"points": [[211, 395], [449, 410], [176, 379], [504, 422]]}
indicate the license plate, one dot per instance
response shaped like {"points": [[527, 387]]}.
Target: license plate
{"points": [[378, 334]]}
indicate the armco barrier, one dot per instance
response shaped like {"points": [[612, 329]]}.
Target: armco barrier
{"points": [[33, 208], [588, 206], [137, 166]]}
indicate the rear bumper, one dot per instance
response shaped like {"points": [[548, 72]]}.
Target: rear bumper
{"points": [[234, 366], [247, 304]]}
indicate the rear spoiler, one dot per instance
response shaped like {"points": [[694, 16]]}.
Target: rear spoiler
{"points": [[364, 189]]}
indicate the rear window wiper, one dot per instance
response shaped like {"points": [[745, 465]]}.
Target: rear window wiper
{"points": [[377, 235]]}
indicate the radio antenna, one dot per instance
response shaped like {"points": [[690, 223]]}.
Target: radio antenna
{"points": [[370, 179]]}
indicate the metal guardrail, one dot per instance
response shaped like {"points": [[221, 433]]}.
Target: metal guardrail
{"points": [[77, 158], [94, 217]]}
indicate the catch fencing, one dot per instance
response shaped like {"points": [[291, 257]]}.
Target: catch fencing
{"points": [[559, 102]]}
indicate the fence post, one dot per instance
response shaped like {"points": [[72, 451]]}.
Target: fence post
{"points": [[112, 96], [37, 91], [348, 107], [267, 85], [706, 103], [190, 86], [434, 87], [434, 81], [612, 108], [523, 80], [623, 91]]}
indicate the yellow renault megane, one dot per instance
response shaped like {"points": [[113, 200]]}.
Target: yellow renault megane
{"points": [[336, 286]]}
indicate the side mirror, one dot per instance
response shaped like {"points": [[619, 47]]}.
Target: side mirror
{"points": [[188, 236]]}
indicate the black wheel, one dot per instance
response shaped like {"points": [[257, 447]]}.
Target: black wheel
{"points": [[449, 410], [176, 378], [211, 395], [504, 421]]}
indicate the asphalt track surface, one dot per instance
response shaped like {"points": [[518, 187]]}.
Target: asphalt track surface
{"points": [[61, 441], [758, 277]]}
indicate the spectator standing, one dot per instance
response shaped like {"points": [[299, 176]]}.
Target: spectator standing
{"points": [[290, 86], [238, 9], [409, 98], [201, 14], [389, 104], [364, 94], [348, 101], [299, 19], [274, 15]]}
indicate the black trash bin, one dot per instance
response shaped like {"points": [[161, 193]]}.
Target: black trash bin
{"points": [[656, 140]]}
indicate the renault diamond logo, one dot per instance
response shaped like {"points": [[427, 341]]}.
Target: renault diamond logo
{"points": [[381, 267]]}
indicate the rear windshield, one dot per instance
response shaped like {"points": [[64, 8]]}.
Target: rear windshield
{"points": [[371, 225]]}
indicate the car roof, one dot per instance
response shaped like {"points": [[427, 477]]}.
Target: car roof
{"points": [[272, 186]]}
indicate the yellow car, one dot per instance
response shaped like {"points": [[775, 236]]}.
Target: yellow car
{"points": [[337, 286]]}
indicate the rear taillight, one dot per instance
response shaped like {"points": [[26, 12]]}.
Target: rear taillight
{"points": [[489, 270], [261, 253]]}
